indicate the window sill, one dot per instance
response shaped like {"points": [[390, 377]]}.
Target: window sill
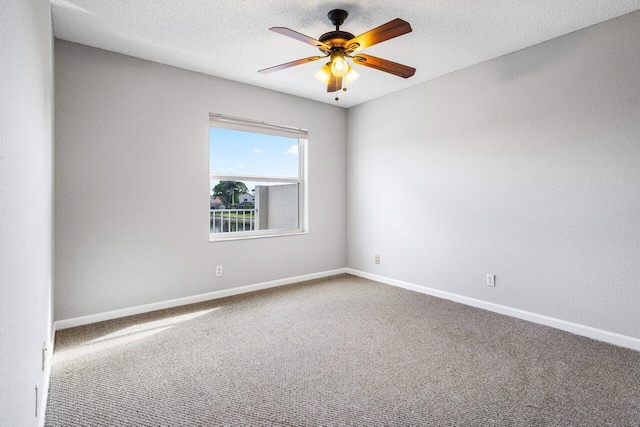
{"points": [[216, 238]]}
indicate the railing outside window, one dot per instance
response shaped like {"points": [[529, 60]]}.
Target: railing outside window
{"points": [[232, 220]]}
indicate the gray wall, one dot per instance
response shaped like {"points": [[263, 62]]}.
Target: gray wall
{"points": [[526, 166], [132, 184], [26, 197]]}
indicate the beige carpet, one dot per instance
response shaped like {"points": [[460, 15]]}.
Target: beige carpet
{"points": [[337, 351]]}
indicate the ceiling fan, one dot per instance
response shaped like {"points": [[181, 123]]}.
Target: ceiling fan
{"points": [[339, 45]]}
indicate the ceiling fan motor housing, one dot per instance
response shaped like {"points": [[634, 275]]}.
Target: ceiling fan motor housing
{"points": [[336, 38]]}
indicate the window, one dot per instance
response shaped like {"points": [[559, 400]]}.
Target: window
{"points": [[257, 179]]}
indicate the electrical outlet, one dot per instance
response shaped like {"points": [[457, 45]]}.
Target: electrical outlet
{"points": [[491, 279], [219, 271], [377, 259]]}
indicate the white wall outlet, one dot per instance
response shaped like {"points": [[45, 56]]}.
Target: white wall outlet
{"points": [[377, 259], [491, 279], [219, 271]]}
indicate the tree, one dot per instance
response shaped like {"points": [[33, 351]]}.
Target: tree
{"points": [[229, 191]]}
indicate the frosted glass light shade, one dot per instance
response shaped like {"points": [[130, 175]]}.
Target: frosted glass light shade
{"points": [[323, 74], [339, 66], [351, 76]]}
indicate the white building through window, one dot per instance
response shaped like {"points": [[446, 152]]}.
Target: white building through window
{"points": [[257, 179]]}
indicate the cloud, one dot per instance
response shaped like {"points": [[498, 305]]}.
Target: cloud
{"points": [[241, 166], [227, 169], [293, 150], [258, 151]]}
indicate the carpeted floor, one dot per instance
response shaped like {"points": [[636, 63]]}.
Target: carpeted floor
{"points": [[337, 351]]}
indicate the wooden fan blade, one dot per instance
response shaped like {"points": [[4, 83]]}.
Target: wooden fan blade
{"points": [[290, 64], [301, 37], [335, 83], [384, 65], [384, 32]]}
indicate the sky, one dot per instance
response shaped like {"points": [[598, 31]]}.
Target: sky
{"points": [[234, 152], [248, 153]]}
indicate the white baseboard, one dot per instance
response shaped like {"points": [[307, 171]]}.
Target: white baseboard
{"points": [[574, 328], [130, 311]]}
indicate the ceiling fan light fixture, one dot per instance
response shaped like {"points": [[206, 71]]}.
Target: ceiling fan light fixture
{"points": [[324, 73], [339, 66]]}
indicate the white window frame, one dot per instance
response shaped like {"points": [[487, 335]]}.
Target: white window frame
{"points": [[247, 125]]}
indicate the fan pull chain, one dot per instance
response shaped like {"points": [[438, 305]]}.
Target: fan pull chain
{"points": [[344, 89]]}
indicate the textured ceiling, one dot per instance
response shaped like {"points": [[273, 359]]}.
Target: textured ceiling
{"points": [[230, 38]]}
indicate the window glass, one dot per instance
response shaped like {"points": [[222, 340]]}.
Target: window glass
{"points": [[250, 153], [256, 180]]}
